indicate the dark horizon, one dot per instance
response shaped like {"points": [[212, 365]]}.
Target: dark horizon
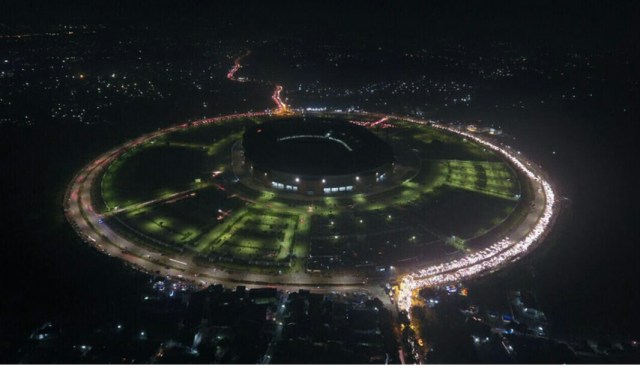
{"points": [[585, 24]]}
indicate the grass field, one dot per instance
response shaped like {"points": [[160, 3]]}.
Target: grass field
{"points": [[435, 144], [257, 235], [166, 170], [183, 222], [210, 134], [491, 178]]}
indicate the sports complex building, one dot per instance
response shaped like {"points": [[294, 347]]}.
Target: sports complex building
{"points": [[316, 156]]}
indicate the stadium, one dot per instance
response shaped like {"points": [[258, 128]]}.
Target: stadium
{"points": [[316, 156]]}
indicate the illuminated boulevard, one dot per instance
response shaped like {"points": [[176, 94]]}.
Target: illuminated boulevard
{"points": [[520, 240], [282, 107], [236, 66]]}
